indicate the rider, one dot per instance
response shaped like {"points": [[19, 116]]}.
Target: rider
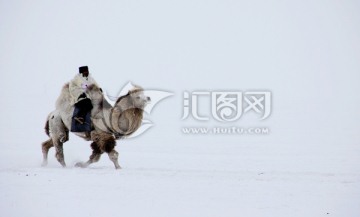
{"points": [[78, 91]]}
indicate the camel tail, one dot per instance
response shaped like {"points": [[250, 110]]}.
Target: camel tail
{"points": [[47, 130]]}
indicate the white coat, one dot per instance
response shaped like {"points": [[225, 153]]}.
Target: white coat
{"points": [[78, 85]]}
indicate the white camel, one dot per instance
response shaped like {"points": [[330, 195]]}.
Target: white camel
{"points": [[109, 123]]}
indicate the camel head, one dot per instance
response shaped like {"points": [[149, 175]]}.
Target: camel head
{"points": [[135, 98], [138, 98], [127, 114]]}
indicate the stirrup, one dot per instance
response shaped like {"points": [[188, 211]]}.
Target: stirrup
{"points": [[79, 119]]}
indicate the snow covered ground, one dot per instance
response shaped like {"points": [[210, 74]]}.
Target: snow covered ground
{"points": [[306, 53], [206, 180]]}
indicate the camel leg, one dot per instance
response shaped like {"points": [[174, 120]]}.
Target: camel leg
{"points": [[59, 135], [105, 142], [94, 157], [45, 150], [59, 153], [113, 155]]}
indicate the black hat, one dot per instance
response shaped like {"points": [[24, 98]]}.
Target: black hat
{"points": [[83, 69]]}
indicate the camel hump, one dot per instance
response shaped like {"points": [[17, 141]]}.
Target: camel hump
{"points": [[93, 91], [92, 88], [64, 98]]}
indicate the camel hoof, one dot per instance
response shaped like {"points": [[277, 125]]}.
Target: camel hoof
{"points": [[44, 164], [80, 164]]}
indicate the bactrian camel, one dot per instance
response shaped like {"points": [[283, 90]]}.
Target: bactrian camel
{"points": [[109, 123]]}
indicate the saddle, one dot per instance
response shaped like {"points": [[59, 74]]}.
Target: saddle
{"points": [[81, 120]]}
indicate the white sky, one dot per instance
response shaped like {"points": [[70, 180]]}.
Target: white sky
{"points": [[307, 53]]}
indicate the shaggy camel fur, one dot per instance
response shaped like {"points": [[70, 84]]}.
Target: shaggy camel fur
{"points": [[108, 123]]}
